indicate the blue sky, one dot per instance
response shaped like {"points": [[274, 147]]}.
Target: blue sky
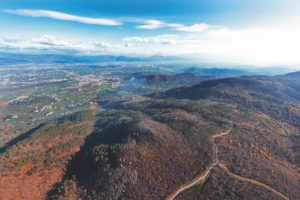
{"points": [[261, 31]]}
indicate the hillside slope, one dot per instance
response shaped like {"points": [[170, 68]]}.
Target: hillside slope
{"points": [[135, 155]]}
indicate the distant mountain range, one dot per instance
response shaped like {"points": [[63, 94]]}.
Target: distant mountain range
{"points": [[6, 58]]}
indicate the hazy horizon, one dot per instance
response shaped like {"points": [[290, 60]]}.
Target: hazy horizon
{"points": [[248, 32]]}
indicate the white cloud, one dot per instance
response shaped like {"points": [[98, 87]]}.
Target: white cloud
{"points": [[159, 39], [50, 41], [63, 16], [156, 24], [196, 28], [103, 44], [128, 45], [151, 24]]}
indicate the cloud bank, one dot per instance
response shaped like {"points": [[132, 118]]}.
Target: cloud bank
{"points": [[52, 44], [253, 45]]}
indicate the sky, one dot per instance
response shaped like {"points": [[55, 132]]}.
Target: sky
{"points": [[245, 31]]}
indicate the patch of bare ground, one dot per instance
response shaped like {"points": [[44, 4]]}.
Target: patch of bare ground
{"points": [[28, 186], [33, 165]]}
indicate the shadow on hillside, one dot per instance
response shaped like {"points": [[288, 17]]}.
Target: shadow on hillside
{"points": [[19, 138], [82, 166]]}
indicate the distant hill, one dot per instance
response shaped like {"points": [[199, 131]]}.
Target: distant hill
{"points": [[218, 72], [152, 78], [293, 74], [276, 96], [228, 88]]}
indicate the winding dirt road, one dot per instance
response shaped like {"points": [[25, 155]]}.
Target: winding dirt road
{"points": [[201, 178], [252, 181]]}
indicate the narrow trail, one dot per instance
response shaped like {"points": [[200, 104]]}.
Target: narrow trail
{"points": [[252, 181], [201, 178]]}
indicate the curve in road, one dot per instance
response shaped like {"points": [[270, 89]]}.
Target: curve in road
{"points": [[252, 181], [201, 178]]}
